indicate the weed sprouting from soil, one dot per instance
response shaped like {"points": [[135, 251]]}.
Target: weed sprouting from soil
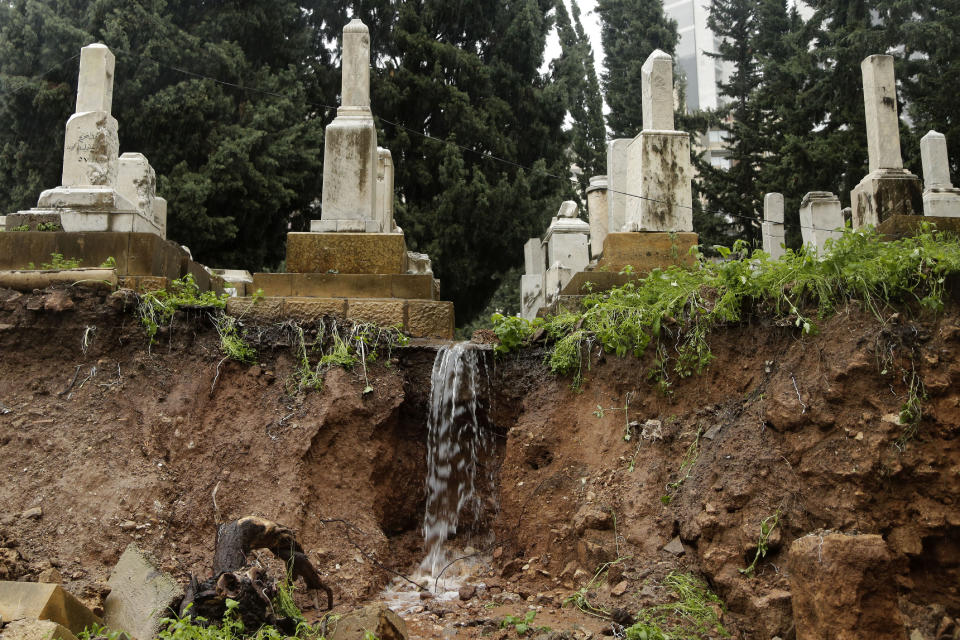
{"points": [[231, 627], [675, 309], [695, 614], [231, 342], [157, 308], [767, 525], [686, 464]]}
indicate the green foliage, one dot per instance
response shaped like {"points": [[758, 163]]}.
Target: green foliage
{"points": [[341, 346], [581, 597], [230, 628], [512, 331], [692, 616], [232, 343], [99, 632], [767, 525], [21, 227], [59, 263], [522, 625], [675, 309], [109, 263], [157, 308], [911, 411], [49, 226]]}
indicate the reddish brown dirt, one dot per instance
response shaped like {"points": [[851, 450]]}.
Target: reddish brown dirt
{"points": [[803, 424]]}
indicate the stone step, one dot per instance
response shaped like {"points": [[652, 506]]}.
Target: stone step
{"points": [[345, 285]]}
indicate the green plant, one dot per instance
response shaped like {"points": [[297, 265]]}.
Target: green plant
{"points": [[22, 227], [911, 411], [686, 464], [232, 343], [109, 263], [59, 263], [675, 309], [693, 615], [522, 625], [99, 632], [767, 525], [580, 598], [257, 296], [157, 308], [512, 331], [49, 226]]}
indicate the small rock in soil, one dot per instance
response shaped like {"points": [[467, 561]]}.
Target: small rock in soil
{"points": [[674, 546], [50, 576], [467, 591], [32, 513], [620, 588]]}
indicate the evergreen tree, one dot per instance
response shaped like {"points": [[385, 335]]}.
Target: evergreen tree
{"points": [[234, 162], [631, 30], [574, 70]]}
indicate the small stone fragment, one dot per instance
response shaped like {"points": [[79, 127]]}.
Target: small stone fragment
{"points": [[467, 591], [619, 589], [675, 547], [50, 576], [32, 513]]}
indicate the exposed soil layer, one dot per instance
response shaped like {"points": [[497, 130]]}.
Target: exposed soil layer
{"points": [[116, 441]]}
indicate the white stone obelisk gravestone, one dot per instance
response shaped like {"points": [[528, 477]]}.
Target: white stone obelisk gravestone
{"points": [[597, 213], [820, 218], [773, 232], [349, 201], [888, 189], [658, 159], [617, 184], [101, 190], [940, 197], [531, 282]]}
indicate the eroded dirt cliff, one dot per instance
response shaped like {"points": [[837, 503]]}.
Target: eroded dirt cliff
{"points": [[116, 441]]}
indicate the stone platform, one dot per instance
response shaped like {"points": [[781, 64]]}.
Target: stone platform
{"points": [[419, 318], [346, 285], [368, 253], [901, 226], [646, 251], [137, 255]]}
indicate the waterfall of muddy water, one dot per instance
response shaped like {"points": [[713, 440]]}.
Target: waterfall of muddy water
{"points": [[460, 471]]}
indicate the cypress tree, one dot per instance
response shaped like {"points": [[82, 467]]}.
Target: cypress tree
{"points": [[631, 30]]}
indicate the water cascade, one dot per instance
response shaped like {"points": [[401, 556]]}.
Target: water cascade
{"points": [[459, 449]]}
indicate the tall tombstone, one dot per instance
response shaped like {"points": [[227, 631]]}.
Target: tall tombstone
{"points": [[617, 184], [385, 190], [888, 189], [940, 198], [773, 231], [597, 210], [349, 200], [531, 282], [137, 182], [659, 172], [820, 218]]}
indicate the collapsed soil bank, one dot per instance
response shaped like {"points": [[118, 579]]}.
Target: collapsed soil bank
{"points": [[116, 442]]}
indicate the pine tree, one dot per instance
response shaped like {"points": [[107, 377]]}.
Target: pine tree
{"points": [[631, 30]]}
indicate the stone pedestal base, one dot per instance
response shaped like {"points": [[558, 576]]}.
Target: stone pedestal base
{"points": [[646, 251], [419, 318], [773, 237], [659, 171], [531, 295], [346, 253], [345, 285], [78, 221], [345, 226], [896, 227], [884, 193], [554, 280], [941, 203]]}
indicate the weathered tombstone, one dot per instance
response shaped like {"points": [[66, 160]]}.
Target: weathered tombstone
{"points": [[773, 232], [385, 190], [567, 239], [349, 198], [531, 282], [617, 184], [888, 189], [140, 596], [820, 218], [940, 198], [137, 182], [598, 213], [659, 172]]}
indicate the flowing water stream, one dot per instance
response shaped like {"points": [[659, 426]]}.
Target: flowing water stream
{"points": [[460, 469]]}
